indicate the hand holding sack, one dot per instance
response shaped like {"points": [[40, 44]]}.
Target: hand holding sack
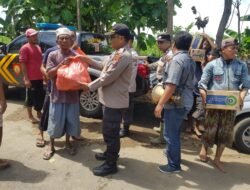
{"points": [[72, 75]]}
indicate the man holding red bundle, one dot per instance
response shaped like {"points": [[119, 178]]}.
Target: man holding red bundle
{"points": [[64, 105]]}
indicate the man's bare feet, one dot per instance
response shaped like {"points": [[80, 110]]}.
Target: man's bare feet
{"points": [[219, 165]]}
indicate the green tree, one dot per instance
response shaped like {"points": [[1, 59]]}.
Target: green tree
{"points": [[96, 15], [245, 40], [22, 14]]}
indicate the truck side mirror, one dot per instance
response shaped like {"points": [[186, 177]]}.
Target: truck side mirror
{"points": [[3, 49]]}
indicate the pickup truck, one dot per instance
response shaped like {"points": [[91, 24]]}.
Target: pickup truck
{"points": [[241, 135], [95, 45]]}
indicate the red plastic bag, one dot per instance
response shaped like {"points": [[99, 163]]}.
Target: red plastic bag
{"points": [[70, 76]]}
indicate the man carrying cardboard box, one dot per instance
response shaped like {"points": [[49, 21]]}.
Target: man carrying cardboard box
{"points": [[228, 74]]}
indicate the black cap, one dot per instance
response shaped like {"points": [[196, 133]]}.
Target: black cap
{"points": [[131, 37], [163, 37], [120, 29]]}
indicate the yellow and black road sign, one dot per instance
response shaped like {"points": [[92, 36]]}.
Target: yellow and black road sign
{"points": [[10, 69]]}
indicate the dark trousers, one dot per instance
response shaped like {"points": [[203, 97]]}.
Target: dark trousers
{"points": [[43, 125], [110, 128], [35, 95], [129, 113]]}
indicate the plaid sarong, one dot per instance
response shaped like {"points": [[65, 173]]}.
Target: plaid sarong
{"points": [[218, 127]]}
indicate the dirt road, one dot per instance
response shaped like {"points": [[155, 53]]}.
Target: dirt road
{"points": [[137, 164]]}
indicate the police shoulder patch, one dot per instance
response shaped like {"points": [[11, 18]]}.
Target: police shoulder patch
{"points": [[116, 59]]}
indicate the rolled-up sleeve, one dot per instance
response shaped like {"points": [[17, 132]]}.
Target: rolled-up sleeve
{"points": [[206, 76]]}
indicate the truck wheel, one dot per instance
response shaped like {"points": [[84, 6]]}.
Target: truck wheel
{"points": [[242, 136], [89, 105]]}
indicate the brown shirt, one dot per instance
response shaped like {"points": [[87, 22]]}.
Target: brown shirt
{"points": [[113, 84]]}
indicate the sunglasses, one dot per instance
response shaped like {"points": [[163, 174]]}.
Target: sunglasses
{"points": [[233, 47], [64, 38]]}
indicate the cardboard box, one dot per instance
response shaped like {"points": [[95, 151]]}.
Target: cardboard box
{"points": [[224, 100], [198, 54]]}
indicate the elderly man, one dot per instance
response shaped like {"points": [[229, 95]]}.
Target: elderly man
{"points": [[224, 73], [64, 105], [31, 60], [113, 86]]}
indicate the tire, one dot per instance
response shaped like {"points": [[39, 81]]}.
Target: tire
{"points": [[89, 105], [242, 136]]}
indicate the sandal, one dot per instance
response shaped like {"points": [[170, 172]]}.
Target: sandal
{"points": [[4, 164], [48, 154], [33, 121], [204, 158], [70, 150], [78, 138], [40, 142]]}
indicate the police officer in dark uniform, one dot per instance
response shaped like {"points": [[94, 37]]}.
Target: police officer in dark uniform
{"points": [[113, 88]]}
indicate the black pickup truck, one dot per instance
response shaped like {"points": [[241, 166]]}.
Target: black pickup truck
{"points": [[94, 45]]}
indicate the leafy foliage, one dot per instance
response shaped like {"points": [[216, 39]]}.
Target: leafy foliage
{"points": [[245, 41], [96, 15], [245, 18]]}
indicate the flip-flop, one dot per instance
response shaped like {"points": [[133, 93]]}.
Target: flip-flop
{"points": [[70, 150], [47, 155], [40, 143], [34, 121], [78, 138], [4, 164]]}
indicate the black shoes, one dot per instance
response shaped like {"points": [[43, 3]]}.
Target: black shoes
{"points": [[105, 169], [124, 132], [100, 156]]}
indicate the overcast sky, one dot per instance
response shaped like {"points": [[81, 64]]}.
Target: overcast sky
{"points": [[211, 8]]}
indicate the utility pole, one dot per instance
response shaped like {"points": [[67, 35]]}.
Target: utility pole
{"points": [[78, 6], [237, 6]]}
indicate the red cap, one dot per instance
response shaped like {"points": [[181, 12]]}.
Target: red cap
{"points": [[30, 32]]}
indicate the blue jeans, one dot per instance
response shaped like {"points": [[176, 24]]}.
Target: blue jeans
{"points": [[173, 119]]}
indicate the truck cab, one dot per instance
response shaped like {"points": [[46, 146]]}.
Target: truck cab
{"points": [[93, 44]]}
